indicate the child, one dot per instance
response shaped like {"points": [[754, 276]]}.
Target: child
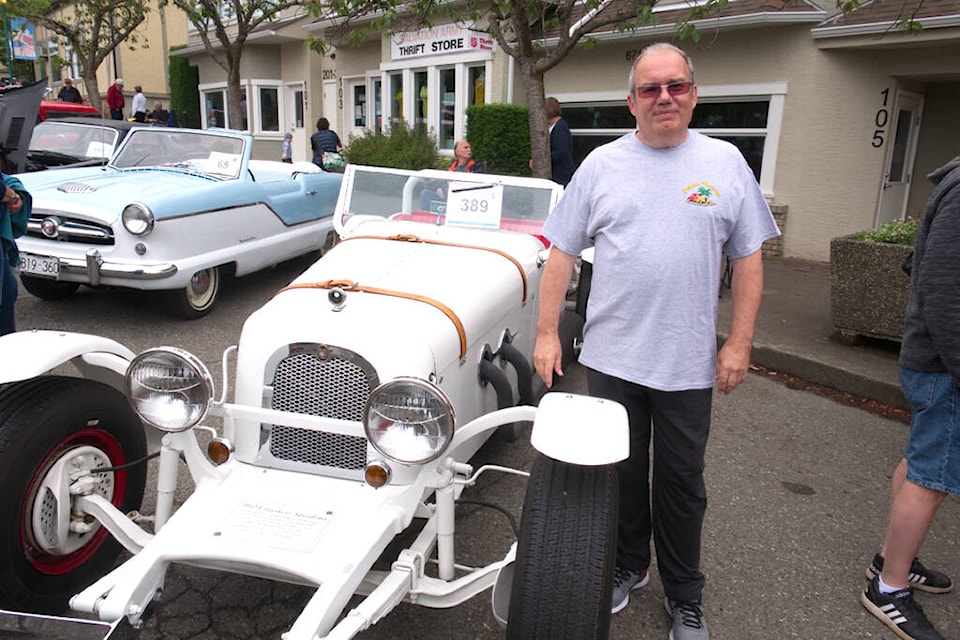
{"points": [[286, 151]]}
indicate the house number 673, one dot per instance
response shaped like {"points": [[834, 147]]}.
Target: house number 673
{"points": [[881, 121]]}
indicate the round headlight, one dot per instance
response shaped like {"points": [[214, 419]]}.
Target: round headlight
{"points": [[137, 219], [409, 420], [169, 388]]}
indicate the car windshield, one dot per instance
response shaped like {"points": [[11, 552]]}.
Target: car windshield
{"points": [[211, 154], [444, 198], [78, 141]]}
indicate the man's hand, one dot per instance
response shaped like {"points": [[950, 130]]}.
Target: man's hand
{"points": [[547, 352], [547, 356], [746, 289], [732, 363]]}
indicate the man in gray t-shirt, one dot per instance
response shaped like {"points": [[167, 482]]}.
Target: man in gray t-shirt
{"points": [[660, 206]]}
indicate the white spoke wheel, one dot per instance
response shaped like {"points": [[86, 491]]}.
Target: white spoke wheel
{"points": [[50, 427], [198, 297], [563, 575]]}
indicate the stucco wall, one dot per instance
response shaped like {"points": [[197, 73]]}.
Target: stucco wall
{"points": [[828, 172]]}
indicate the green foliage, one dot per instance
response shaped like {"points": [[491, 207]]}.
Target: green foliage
{"points": [[893, 232], [184, 92], [499, 134], [402, 148]]}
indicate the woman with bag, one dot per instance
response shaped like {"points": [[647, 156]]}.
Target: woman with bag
{"points": [[326, 147]]}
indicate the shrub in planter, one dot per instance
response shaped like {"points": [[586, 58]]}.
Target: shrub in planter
{"points": [[868, 287]]}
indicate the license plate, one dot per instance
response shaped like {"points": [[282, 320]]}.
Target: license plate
{"points": [[43, 266]]}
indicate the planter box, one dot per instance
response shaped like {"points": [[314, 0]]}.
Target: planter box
{"points": [[868, 288]]}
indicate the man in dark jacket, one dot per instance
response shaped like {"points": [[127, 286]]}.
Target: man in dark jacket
{"points": [[561, 144], [930, 376], [69, 93]]}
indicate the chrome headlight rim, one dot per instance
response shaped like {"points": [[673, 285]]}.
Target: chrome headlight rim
{"points": [[138, 219], [445, 419], [197, 377]]}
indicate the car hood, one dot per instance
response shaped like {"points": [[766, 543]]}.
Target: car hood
{"points": [[108, 191], [400, 316]]}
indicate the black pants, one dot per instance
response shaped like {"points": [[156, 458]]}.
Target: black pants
{"points": [[679, 422]]}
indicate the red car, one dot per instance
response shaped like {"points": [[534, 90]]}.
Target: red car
{"points": [[57, 109]]}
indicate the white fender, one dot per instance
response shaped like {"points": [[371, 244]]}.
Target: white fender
{"points": [[581, 429], [28, 354]]}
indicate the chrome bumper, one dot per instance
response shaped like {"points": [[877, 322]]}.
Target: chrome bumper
{"points": [[94, 267]]}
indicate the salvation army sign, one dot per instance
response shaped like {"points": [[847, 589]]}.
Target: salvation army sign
{"points": [[437, 41]]}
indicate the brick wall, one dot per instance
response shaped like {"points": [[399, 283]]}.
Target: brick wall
{"points": [[774, 246]]}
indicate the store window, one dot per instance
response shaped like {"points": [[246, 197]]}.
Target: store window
{"points": [[396, 97], [298, 96], [215, 109], [377, 123], [750, 124], [420, 94], [448, 95], [476, 85], [360, 105], [268, 108]]}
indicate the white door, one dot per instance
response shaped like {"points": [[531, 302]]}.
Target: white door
{"points": [[331, 104], [296, 108], [901, 153]]}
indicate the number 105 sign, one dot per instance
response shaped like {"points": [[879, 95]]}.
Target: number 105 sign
{"points": [[474, 205]]}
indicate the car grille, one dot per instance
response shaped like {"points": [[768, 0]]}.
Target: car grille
{"points": [[318, 380], [66, 229]]}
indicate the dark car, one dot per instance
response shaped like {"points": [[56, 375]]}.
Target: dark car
{"points": [[75, 142]]}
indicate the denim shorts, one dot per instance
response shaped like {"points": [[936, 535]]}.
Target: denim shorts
{"points": [[933, 448]]}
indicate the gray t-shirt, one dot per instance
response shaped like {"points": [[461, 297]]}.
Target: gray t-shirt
{"points": [[659, 220]]}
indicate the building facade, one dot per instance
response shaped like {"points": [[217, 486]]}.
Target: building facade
{"points": [[145, 63], [840, 116]]}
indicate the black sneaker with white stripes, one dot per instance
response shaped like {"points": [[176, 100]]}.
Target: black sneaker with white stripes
{"points": [[900, 612], [921, 577]]}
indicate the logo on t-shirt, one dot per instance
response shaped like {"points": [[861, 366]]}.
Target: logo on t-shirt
{"points": [[701, 193]]}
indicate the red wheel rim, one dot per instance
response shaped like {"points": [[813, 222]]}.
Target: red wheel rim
{"points": [[59, 565]]}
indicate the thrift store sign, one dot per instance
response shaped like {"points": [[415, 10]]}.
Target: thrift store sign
{"points": [[440, 40]]}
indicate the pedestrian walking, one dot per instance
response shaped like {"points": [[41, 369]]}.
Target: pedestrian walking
{"points": [[286, 149], [115, 100]]}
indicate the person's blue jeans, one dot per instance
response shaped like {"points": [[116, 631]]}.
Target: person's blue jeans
{"points": [[8, 297], [933, 447]]}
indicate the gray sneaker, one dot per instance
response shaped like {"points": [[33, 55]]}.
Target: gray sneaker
{"points": [[689, 622], [624, 581]]}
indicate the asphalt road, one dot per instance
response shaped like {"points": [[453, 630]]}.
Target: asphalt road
{"points": [[798, 491]]}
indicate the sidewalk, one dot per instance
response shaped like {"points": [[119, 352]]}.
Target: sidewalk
{"points": [[794, 335]]}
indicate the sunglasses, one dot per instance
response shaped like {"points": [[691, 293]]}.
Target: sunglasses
{"points": [[674, 89]]}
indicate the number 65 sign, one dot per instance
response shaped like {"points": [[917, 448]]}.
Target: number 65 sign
{"points": [[474, 205]]}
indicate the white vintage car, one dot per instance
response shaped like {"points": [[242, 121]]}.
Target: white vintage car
{"points": [[174, 210], [359, 394]]}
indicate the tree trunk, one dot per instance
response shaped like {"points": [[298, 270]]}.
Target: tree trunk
{"points": [[537, 117], [93, 91], [236, 104]]}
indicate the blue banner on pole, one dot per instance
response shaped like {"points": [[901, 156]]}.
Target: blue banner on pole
{"points": [[22, 39]]}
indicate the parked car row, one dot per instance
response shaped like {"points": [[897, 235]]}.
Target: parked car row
{"points": [[343, 438]]}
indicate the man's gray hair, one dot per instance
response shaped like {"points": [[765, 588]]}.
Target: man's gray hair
{"points": [[657, 46]]}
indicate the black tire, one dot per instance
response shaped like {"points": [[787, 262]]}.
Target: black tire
{"points": [[563, 575], [43, 422], [198, 297], [48, 289], [570, 331]]}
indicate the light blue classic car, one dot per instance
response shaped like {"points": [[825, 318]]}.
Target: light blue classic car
{"points": [[175, 210]]}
